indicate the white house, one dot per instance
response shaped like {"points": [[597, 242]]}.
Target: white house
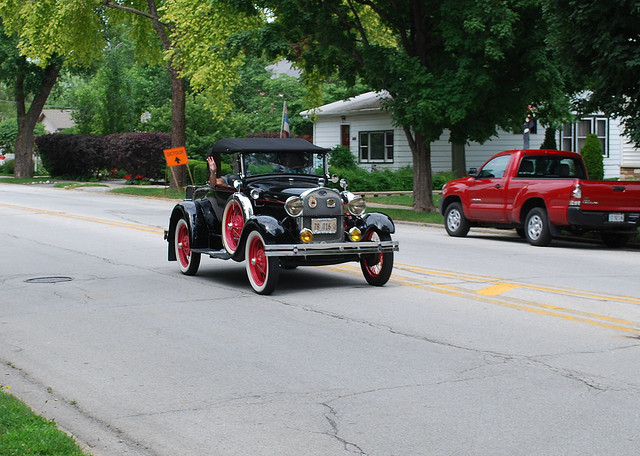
{"points": [[360, 124], [56, 120]]}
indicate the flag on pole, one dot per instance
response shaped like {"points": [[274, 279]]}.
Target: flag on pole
{"points": [[285, 131]]}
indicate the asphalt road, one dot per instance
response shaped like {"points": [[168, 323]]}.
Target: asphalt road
{"points": [[477, 346]]}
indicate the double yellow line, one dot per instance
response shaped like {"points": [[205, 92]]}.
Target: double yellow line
{"points": [[84, 218], [498, 291], [481, 288]]}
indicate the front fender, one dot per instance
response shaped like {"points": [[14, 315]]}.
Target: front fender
{"points": [[382, 222], [190, 211], [269, 227]]}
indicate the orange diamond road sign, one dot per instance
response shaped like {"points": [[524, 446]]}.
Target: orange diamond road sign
{"points": [[176, 156]]}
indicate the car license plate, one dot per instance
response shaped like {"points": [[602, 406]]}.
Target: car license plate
{"points": [[616, 217], [324, 225]]}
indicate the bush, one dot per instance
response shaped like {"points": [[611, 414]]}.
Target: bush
{"points": [[199, 171], [141, 154], [341, 157], [72, 156], [8, 167], [592, 155], [85, 156]]}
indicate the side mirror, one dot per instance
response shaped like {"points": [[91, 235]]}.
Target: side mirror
{"points": [[473, 172]]}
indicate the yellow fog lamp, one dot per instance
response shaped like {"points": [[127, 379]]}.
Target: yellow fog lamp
{"points": [[355, 234], [306, 235]]}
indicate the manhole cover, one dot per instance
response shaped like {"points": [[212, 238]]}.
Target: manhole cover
{"points": [[49, 279]]}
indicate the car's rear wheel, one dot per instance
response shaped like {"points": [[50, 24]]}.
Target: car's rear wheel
{"points": [[377, 268], [262, 270], [188, 260], [536, 227], [232, 224], [455, 222]]}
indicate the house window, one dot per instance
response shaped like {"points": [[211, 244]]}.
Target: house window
{"points": [[572, 136], [376, 146]]}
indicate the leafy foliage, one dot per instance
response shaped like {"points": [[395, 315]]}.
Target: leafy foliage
{"points": [[9, 133], [592, 155], [341, 157], [72, 155], [138, 153], [85, 156], [599, 43]]}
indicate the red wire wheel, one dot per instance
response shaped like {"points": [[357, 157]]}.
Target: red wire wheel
{"points": [[262, 270], [232, 224], [377, 268], [188, 261]]}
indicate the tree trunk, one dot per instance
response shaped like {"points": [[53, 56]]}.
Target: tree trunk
{"points": [[27, 120], [422, 182], [458, 159]]}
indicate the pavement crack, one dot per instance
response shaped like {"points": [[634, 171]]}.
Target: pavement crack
{"points": [[332, 418]]}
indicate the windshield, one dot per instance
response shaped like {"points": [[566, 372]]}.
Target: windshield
{"points": [[255, 164]]}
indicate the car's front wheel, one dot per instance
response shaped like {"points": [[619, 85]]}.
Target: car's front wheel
{"points": [[455, 222], [188, 261], [377, 268], [262, 270]]}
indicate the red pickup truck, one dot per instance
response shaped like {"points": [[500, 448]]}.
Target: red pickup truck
{"points": [[540, 193]]}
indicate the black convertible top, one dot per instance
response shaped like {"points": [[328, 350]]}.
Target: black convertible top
{"points": [[233, 145]]}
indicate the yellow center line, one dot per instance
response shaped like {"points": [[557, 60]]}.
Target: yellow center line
{"points": [[129, 225], [491, 295]]}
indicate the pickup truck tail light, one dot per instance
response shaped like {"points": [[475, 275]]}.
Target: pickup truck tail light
{"points": [[576, 195]]}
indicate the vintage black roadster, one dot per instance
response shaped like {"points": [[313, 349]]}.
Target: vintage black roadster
{"points": [[277, 212]]}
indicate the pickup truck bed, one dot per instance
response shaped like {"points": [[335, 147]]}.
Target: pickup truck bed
{"points": [[540, 193]]}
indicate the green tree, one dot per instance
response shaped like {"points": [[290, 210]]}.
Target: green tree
{"points": [[598, 40], [592, 155], [463, 65], [30, 85]]}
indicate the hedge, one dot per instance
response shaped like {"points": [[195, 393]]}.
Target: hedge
{"points": [[85, 156]]}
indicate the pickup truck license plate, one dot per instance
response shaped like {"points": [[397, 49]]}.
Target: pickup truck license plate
{"points": [[324, 225], [616, 217]]}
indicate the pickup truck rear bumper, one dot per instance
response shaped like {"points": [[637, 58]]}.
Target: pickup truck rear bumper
{"points": [[604, 220]]}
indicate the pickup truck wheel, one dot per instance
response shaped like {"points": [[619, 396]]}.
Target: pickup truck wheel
{"points": [[262, 270], [536, 227], [232, 224], [455, 222], [377, 268], [188, 261]]}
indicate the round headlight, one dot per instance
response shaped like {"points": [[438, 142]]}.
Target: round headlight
{"points": [[357, 206], [293, 206]]}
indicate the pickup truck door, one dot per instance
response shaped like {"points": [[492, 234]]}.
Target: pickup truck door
{"points": [[487, 192]]}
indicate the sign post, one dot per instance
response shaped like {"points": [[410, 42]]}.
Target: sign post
{"points": [[177, 156]]}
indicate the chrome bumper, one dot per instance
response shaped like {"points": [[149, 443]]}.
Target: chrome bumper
{"points": [[333, 248]]}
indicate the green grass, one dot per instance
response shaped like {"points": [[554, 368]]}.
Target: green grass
{"points": [[26, 180], [151, 192], [24, 433], [72, 185]]}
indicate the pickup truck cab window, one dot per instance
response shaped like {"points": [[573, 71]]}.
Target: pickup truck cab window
{"points": [[494, 168]]}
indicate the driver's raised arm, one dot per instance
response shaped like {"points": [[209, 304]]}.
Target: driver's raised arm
{"points": [[213, 180]]}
